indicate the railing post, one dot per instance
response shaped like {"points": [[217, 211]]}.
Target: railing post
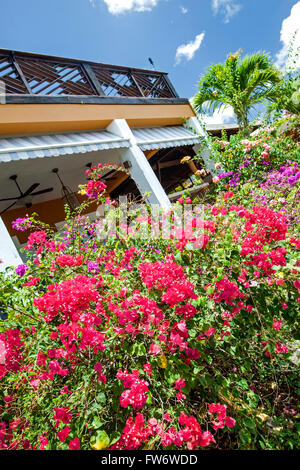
{"points": [[93, 79], [136, 83], [171, 87], [20, 72]]}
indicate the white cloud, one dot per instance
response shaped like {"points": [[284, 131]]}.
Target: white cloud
{"points": [[225, 116], [187, 51], [220, 117], [121, 6], [290, 27], [228, 8], [183, 10], [92, 2]]}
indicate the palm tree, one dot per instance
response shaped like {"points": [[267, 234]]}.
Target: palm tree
{"points": [[239, 83]]}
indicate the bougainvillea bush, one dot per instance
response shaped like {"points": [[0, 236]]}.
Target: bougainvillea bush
{"points": [[263, 168], [251, 157], [186, 342]]}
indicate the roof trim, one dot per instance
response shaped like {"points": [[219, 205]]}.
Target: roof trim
{"points": [[229, 126], [74, 99], [164, 137], [39, 146], [52, 145]]}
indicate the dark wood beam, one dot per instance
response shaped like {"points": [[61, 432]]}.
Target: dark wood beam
{"points": [[195, 190], [169, 164], [93, 79], [22, 76], [171, 86], [136, 83]]}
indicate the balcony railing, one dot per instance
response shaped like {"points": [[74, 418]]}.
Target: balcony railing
{"points": [[32, 74]]}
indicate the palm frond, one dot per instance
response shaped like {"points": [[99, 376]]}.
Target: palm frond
{"points": [[251, 65], [263, 78], [240, 83]]}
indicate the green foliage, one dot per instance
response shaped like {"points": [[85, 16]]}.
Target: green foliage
{"points": [[226, 349], [287, 95], [239, 83]]}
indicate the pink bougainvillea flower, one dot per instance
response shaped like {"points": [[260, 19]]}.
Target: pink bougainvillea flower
{"points": [[179, 384], [277, 324], [74, 444], [297, 284], [155, 349], [62, 415], [63, 434]]}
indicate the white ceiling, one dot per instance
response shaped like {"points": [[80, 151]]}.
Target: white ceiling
{"points": [[71, 170]]}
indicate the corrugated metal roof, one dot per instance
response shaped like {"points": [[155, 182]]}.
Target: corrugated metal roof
{"points": [[163, 137], [53, 145]]}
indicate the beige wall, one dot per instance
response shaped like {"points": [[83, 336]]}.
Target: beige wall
{"points": [[37, 118]]}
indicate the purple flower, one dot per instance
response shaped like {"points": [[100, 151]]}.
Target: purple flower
{"points": [[21, 224], [21, 269], [287, 174], [93, 266]]}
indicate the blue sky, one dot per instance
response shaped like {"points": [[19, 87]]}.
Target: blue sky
{"points": [[127, 32]]}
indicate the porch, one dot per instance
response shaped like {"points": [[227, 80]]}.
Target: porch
{"points": [[123, 118]]}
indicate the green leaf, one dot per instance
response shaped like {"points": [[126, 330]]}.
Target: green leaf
{"points": [[138, 349], [114, 437], [250, 425], [198, 369], [101, 397], [209, 359], [99, 441], [245, 436], [97, 423], [243, 384], [171, 376]]}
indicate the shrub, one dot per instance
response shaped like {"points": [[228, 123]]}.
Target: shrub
{"points": [[133, 343]]}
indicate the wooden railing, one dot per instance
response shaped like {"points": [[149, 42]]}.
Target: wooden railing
{"points": [[32, 74]]}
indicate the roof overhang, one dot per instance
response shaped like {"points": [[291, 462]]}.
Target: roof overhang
{"points": [[54, 145], [70, 114], [164, 137]]}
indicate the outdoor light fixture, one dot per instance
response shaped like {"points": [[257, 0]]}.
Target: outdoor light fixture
{"points": [[27, 200], [127, 165], [68, 196]]}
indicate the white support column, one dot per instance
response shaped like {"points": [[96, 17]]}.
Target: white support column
{"points": [[195, 124], [140, 169], [8, 253], [205, 154]]}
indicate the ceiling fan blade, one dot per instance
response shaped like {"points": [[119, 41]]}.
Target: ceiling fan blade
{"points": [[10, 199], [43, 191], [2, 212], [29, 190], [14, 178]]}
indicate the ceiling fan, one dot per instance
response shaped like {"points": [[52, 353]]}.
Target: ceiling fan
{"points": [[29, 192]]}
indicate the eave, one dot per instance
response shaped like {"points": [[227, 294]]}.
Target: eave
{"points": [[36, 114]]}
